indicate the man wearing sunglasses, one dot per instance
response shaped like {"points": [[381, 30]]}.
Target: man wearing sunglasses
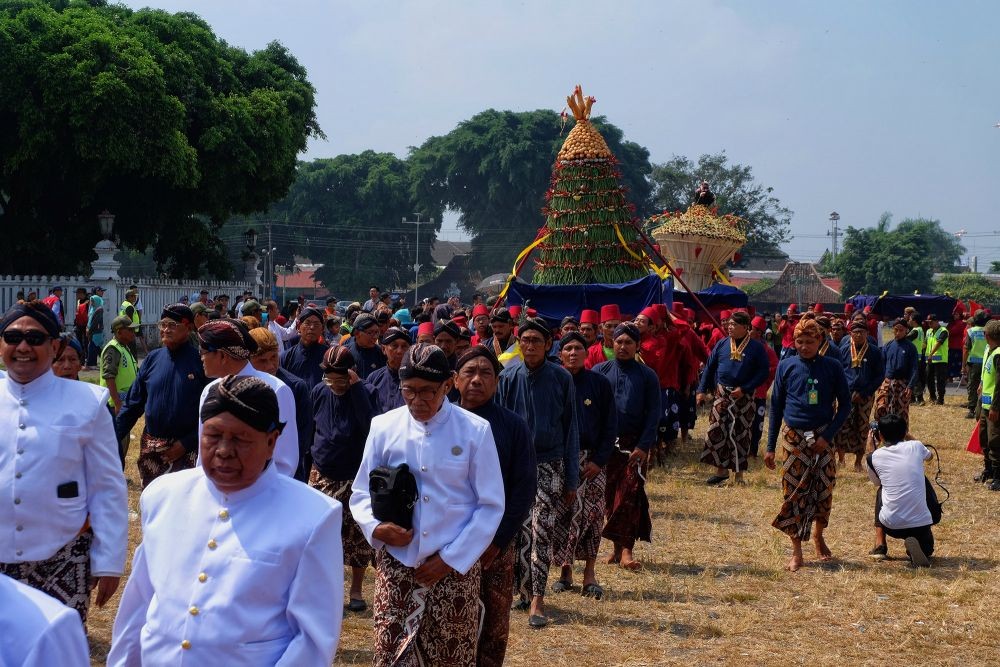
{"points": [[166, 389], [65, 527]]}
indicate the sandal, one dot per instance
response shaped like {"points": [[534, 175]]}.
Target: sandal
{"points": [[537, 621], [357, 605], [562, 586], [592, 591]]}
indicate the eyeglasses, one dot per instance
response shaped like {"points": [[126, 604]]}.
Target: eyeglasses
{"points": [[531, 341], [167, 325], [423, 394], [33, 337]]}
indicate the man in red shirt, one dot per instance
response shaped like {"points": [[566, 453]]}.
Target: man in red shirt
{"points": [[786, 328], [611, 317]]}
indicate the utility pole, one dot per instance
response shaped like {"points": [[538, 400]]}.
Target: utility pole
{"points": [[834, 232], [416, 256], [270, 262]]}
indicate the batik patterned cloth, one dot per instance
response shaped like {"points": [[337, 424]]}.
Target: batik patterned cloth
{"points": [[757, 428], [670, 416], [152, 462], [535, 539], [852, 436], [807, 483], [65, 576], [627, 504], [893, 396], [416, 626], [496, 592], [578, 528], [357, 551], [730, 428]]}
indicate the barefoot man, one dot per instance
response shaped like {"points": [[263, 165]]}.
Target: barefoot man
{"points": [[806, 390]]}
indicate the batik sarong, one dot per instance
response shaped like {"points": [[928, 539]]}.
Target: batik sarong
{"points": [[807, 482], [578, 527], [534, 540], [730, 427], [853, 435], [670, 415], [417, 626], [757, 428], [357, 551], [152, 463], [496, 592], [893, 396], [627, 504], [689, 411], [65, 576]]}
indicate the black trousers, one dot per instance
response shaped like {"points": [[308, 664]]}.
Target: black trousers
{"points": [[923, 534], [918, 391], [975, 377], [937, 380]]}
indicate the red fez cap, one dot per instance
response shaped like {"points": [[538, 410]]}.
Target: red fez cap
{"points": [[650, 312], [532, 312], [689, 314], [661, 310], [678, 307], [480, 310], [461, 321], [759, 323], [725, 315], [868, 309], [589, 317], [793, 308], [818, 308], [848, 308], [515, 311], [425, 328], [610, 312]]}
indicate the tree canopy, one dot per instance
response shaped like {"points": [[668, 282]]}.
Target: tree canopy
{"points": [[899, 260], [144, 113], [736, 192], [967, 286], [495, 169], [346, 213]]}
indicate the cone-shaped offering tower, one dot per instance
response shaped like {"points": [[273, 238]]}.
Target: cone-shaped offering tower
{"points": [[591, 233], [698, 242]]}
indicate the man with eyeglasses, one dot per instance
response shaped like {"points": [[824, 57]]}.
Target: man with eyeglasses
{"points": [[303, 358], [363, 345], [167, 390], [65, 517], [542, 393], [428, 577], [603, 350]]}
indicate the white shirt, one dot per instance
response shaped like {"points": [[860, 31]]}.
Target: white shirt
{"points": [[461, 499], [281, 333], [253, 577], [286, 450], [56, 432], [37, 630], [900, 470]]}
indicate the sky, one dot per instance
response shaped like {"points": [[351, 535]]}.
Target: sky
{"points": [[848, 106]]}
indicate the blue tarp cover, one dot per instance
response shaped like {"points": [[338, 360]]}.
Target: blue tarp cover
{"points": [[716, 294], [892, 305], [554, 302]]}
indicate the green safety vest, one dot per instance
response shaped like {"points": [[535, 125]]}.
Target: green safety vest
{"points": [[978, 348], [919, 342], [990, 377], [937, 351], [126, 372], [135, 313]]}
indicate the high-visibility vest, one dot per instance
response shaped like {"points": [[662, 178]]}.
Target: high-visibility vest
{"points": [[990, 377], [126, 370], [135, 313], [937, 351], [919, 342], [978, 348]]}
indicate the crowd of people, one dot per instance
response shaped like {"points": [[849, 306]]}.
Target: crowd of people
{"points": [[461, 451]]}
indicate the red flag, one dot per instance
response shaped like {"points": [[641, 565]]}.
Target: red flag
{"points": [[973, 445], [973, 307]]}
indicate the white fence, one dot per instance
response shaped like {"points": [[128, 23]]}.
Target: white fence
{"points": [[153, 295]]}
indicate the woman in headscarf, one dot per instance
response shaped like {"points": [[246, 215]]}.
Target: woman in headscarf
{"points": [[95, 330]]}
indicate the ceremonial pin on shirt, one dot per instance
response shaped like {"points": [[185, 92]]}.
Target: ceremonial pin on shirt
{"points": [[456, 450]]}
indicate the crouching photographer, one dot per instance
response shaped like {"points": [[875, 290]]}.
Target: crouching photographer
{"points": [[902, 502]]}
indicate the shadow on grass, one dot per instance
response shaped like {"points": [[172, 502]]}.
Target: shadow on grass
{"points": [[98, 648], [603, 619], [706, 518], [727, 570], [354, 657]]}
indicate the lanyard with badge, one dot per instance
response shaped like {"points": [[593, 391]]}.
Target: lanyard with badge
{"points": [[813, 392]]}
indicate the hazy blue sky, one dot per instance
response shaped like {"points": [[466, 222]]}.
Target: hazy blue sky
{"points": [[858, 107]]}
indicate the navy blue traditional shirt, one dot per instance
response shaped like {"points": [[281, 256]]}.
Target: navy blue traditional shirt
{"points": [[900, 361], [167, 389], [384, 385], [794, 381], [517, 466], [748, 373], [304, 362], [342, 425], [303, 420], [866, 378], [546, 399], [637, 397], [597, 414], [367, 360]]}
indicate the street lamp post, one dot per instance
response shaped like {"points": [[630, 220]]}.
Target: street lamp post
{"points": [[251, 274], [416, 257], [834, 231]]}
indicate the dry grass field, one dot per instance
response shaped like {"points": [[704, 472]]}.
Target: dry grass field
{"points": [[713, 589]]}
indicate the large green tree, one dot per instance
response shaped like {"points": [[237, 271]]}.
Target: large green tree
{"points": [[900, 260], [144, 113], [736, 192], [346, 213], [495, 169], [967, 286]]}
